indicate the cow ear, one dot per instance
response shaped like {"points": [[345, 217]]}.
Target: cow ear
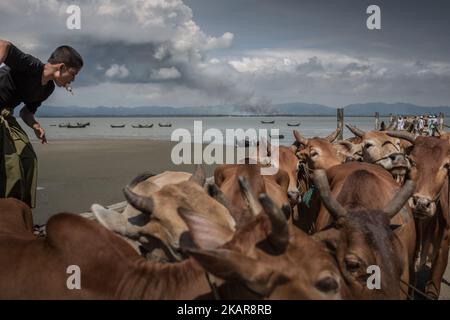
{"points": [[233, 266], [218, 175], [110, 219], [347, 145], [205, 233]]}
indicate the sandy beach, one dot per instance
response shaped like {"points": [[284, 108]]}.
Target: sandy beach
{"points": [[74, 174]]}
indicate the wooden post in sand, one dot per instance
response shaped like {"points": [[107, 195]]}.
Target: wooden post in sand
{"points": [[340, 122], [377, 121], [441, 121]]}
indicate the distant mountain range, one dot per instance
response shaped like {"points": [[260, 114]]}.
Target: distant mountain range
{"points": [[295, 109]]}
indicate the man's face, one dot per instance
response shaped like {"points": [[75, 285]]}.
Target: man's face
{"points": [[65, 75]]}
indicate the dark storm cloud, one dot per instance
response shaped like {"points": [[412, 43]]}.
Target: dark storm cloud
{"points": [[245, 52], [409, 28]]}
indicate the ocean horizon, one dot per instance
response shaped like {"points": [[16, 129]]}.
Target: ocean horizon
{"points": [[100, 127]]}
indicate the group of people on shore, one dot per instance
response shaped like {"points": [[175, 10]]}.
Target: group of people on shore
{"points": [[422, 125]]}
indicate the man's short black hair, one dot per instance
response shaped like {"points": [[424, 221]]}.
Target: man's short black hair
{"points": [[67, 55]]}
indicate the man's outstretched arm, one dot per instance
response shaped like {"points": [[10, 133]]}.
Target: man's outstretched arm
{"points": [[4, 49], [28, 117]]}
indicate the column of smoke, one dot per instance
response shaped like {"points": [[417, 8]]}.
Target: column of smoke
{"points": [[254, 106], [258, 106]]}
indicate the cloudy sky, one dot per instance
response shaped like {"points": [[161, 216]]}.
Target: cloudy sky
{"points": [[242, 52]]}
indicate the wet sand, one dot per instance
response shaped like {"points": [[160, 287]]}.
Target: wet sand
{"points": [[74, 174]]}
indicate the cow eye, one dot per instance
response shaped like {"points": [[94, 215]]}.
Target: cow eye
{"points": [[313, 153], [352, 263], [327, 284], [368, 145]]}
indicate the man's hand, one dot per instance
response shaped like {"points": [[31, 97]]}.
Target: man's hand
{"points": [[29, 119], [40, 132]]}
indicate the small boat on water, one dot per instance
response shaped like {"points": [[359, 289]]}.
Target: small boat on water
{"points": [[293, 124], [77, 125], [117, 126], [53, 125], [143, 126], [165, 125], [268, 122], [69, 125], [83, 124]]}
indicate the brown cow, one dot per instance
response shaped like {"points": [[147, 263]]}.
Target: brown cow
{"points": [[315, 153], [384, 150], [285, 159], [430, 160], [318, 153], [282, 261], [279, 157], [356, 222]]}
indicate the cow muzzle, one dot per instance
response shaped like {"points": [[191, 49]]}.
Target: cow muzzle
{"points": [[398, 163], [423, 207]]}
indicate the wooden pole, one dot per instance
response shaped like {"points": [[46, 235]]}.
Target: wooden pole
{"points": [[377, 121], [441, 121], [340, 122]]}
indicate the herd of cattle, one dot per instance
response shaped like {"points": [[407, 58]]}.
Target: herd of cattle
{"points": [[310, 231]]}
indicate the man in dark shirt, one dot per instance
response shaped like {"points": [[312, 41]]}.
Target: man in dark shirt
{"points": [[25, 79]]}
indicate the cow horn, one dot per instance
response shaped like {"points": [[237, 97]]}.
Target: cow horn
{"points": [[333, 206], [402, 135], [400, 198], [333, 136], [141, 203], [140, 178], [357, 132], [198, 176], [248, 196], [219, 196], [279, 236], [299, 138]]}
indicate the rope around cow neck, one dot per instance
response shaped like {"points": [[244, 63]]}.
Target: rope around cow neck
{"points": [[423, 294], [212, 285]]}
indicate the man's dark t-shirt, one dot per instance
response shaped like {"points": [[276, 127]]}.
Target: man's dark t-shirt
{"points": [[20, 81]]}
